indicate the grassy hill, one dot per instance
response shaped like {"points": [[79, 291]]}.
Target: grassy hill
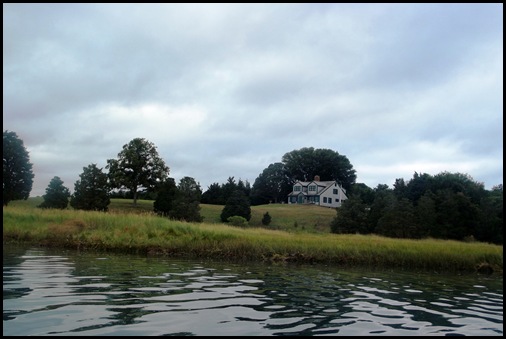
{"points": [[295, 218]]}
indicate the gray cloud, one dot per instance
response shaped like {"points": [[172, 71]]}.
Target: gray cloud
{"points": [[225, 90]]}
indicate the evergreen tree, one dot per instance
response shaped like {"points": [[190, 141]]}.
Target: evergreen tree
{"points": [[187, 203], [212, 195], [237, 205], [266, 219], [165, 199], [180, 202], [91, 192], [57, 195]]}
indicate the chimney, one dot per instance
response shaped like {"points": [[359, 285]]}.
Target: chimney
{"points": [[316, 178]]}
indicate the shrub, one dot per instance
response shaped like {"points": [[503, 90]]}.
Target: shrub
{"points": [[266, 220], [237, 221]]}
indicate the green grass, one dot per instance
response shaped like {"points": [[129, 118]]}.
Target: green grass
{"points": [[295, 218], [136, 229]]}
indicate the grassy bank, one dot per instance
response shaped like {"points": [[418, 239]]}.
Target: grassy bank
{"points": [[147, 234]]}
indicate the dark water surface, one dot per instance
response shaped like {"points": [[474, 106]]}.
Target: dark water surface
{"points": [[62, 292]]}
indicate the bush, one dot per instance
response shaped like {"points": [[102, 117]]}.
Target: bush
{"points": [[237, 221], [266, 220], [237, 204]]}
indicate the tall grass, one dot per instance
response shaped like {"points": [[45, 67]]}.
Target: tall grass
{"points": [[149, 234]]}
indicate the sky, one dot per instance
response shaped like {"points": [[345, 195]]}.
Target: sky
{"points": [[225, 90]]}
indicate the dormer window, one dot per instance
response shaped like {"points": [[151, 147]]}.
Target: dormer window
{"points": [[312, 188], [296, 188]]}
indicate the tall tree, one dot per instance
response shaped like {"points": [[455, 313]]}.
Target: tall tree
{"points": [[57, 195], [180, 202], [17, 169], [305, 163], [138, 167], [457, 215], [351, 217], [398, 220], [212, 195], [227, 189], [425, 214], [187, 203], [417, 186], [362, 191], [237, 205], [272, 185], [166, 197], [91, 192], [490, 227]]}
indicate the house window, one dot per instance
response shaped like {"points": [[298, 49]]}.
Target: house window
{"points": [[312, 188], [337, 200], [325, 199], [296, 188], [334, 191]]}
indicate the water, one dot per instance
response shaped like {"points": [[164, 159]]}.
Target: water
{"points": [[57, 292]]}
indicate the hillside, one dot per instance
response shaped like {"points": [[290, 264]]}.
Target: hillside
{"points": [[308, 218]]}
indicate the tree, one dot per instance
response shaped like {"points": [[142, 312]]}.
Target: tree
{"points": [[266, 219], [417, 186], [459, 182], [180, 202], [384, 198], [457, 215], [227, 189], [425, 214], [272, 185], [351, 217], [187, 203], [138, 167], [91, 192], [362, 191], [398, 220], [17, 169], [167, 193], [238, 204], [212, 195], [307, 162], [57, 195], [491, 217]]}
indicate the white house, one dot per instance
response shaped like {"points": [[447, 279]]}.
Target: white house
{"points": [[323, 193]]}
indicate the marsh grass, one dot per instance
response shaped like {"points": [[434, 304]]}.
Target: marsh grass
{"points": [[142, 232]]}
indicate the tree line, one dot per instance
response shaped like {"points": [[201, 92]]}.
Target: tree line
{"points": [[443, 206], [447, 205]]}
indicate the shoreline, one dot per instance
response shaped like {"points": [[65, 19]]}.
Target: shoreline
{"points": [[157, 236]]}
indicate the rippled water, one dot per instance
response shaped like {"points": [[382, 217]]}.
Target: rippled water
{"points": [[49, 292]]}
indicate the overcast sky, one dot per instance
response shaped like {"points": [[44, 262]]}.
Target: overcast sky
{"points": [[227, 89]]}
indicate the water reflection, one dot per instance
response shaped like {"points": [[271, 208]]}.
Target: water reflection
{"points": [[48, 292]]}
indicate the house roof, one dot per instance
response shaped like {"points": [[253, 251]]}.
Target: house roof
{"points": [[319, 183]]}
